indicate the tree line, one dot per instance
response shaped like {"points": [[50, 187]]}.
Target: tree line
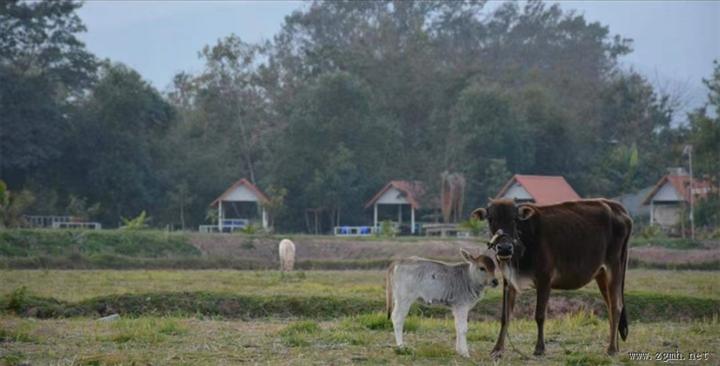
{"points": [[344, 98]]}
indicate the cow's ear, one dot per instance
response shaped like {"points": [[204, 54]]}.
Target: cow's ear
{"points": [[479, 214], [525, 212], [466, 255]]}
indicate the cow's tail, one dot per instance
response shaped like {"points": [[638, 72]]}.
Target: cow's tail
{"points": [[388, 290], [623, 325]]}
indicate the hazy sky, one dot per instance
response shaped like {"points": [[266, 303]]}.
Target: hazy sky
{"points": [[674, 42]]}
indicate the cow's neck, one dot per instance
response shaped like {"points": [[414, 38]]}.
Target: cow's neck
{"points": [[517, 272]]}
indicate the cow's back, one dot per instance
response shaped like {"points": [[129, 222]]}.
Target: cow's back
{"points": [[576, 239]]}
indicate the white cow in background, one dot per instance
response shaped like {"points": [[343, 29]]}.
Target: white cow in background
{"points": [[286, 250]]}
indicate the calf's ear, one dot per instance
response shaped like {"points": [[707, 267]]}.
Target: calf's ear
{"points": [[488, 262], [479, 214], [525, 212], [466, 255]]}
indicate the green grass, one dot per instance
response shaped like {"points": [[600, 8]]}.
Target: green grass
{"points": [[81, 285], [26, 243], [323, 317], [571, 340], [651, 295]]}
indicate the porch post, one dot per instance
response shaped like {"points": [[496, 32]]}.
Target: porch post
{"points": [[264, 218], [220, 216], [400, 214], [412, 219], [375, 216], [652, 212]]}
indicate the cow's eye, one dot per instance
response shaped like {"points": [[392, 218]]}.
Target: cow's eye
{"points": [[482, 269]]}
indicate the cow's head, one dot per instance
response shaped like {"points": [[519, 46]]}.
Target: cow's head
{"points": [[482, 268], [503, 217]]}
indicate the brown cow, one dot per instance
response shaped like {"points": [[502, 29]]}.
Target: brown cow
{"points": [[561, 246]]}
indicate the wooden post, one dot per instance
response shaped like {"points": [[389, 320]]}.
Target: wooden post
{"points": [[412, 219], [220, 216], [400, 214], [375, 216], [652, 212], [264, 218]]}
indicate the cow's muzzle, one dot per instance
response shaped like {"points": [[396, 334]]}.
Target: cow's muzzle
{"points": [[504, 251]]}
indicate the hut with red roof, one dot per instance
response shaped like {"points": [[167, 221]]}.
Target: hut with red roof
{"points": [[538, 189], [238, 206], [670, 198], [400, 193]]}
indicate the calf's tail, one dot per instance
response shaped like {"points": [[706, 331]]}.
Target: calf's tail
{"points": [[388, 290]]}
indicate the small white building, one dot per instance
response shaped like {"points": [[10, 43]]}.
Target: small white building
{"points": [[239, 206], [399, 193], [670, 199]]}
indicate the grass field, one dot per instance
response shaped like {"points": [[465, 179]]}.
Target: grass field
{"points": [[188, 317], [81, 285]]}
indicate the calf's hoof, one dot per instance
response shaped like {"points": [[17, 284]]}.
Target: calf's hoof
{"points": [[539, 351], [496, 354], [612, 351], [463, 353]]}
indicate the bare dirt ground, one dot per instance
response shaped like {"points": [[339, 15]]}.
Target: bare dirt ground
{"points": [[331, 248], [675, 256]]}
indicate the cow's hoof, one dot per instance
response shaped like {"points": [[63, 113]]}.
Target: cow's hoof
{"points": [[539, 351], [403, 350], [612, 351], [464, 354], [496, 354]]}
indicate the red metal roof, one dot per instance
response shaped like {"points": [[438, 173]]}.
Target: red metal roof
{"points": [[681, 184], [242, 182], [413, 190], [544, 189]]}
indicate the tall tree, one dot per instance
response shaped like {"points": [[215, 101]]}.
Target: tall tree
{"points": [[119, 147], [43, 67]]}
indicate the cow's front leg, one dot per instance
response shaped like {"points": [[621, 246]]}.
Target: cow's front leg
{"points": [[543, 294], [460, 312], [507, 308]]}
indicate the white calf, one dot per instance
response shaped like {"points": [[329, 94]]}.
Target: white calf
{"points": [[458, 286]]}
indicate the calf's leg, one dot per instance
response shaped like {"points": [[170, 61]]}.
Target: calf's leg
{"points": [[460, 312], [401, 307], [543, 295], [507, 308]]}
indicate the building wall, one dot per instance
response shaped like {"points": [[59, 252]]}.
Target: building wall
{"points": [[667, 193], [666, 215], [241, 193], [392, 196], [517, 191]]}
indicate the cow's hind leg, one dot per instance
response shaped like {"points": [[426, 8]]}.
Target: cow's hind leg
{"points": [[401, 307], [460, 313], [615, 306], [603, 282], [543, 295], [507, 309]]}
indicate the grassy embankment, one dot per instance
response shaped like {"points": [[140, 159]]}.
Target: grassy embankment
{"points": [[651, 295], [118, 249]]}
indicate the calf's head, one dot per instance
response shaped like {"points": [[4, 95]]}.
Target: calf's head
{"points": [[503, 217], [482, 268]]}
